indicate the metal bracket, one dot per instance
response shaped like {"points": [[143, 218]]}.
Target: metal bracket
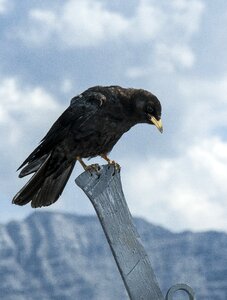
{"points": [[180, 287]]}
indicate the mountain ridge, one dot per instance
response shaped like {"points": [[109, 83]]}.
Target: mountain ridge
{"points": [[65, 256]]}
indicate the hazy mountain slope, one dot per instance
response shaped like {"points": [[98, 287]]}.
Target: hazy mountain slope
{"points": [[63, 256]]}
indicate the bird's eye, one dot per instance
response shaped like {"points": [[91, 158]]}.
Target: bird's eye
{"points": [[150, 108]]}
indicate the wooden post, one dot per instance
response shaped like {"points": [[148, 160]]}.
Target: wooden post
{"points": [[105, 193]]}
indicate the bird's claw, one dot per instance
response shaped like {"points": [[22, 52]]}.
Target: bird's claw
{"points": [[92, 168], [116, 166]]}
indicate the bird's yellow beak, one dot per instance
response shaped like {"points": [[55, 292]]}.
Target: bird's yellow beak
{"points": [[157, 123]]}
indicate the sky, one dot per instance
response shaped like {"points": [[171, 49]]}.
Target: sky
{"points": [[53, 50]]}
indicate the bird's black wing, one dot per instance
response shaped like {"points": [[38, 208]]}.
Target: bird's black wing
{"points": [[80, 111], [51, 161]]}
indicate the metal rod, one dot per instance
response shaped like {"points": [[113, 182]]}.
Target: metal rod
{"points": [[180, 287]]}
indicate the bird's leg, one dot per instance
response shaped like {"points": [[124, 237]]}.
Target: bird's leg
{"points": [[111, 162], [82, 163], [90, 168]]}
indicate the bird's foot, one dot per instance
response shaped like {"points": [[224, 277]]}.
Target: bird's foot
{"points": [[116, 166], [111, 162], [92, 168]]}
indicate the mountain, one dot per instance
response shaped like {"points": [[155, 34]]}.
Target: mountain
{"points": [[63, 256]]}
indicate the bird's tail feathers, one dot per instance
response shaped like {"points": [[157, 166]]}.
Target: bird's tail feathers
{"points": [[33, 166], [42, 189]]}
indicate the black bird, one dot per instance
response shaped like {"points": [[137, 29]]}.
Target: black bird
{"points": [[90, 126]]}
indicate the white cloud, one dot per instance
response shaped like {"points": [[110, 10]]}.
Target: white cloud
{"points": [[147, 22], [171, 56], [41, 25], [187, 14], [66, 86], [87, 23], [77, 24], [169, 27], [184, 192], [182, 189], [25, 115], [205, 104], [164, 29], [4, 6], [136, 72], [165, 20], [22, 110]]}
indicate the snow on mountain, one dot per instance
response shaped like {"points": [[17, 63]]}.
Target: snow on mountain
{"points": [[64, 256]]}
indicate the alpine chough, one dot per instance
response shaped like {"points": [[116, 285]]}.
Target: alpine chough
{"points": [[90, 126]]}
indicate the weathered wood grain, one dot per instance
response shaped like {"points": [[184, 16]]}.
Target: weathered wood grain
{"points": [[106, 195]]}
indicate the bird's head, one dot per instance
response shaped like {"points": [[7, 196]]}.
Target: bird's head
{"points": [[147, 108]]}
